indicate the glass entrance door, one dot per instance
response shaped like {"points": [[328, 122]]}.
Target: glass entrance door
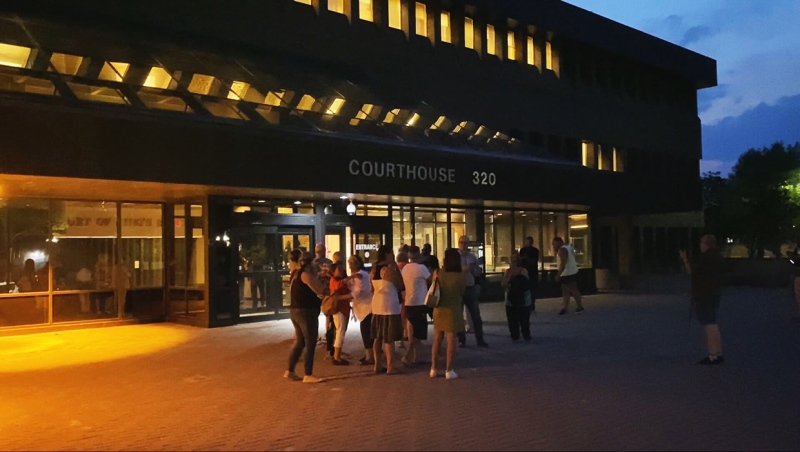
{"points": [[264, 268]]}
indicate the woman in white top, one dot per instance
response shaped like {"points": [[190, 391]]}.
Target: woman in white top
{"points": [[387, 327], [361, 290]]}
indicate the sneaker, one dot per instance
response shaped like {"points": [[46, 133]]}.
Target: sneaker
{"points": [[291, 376], [483, 344], [579, 310], [707, 361], [562, 312], [366, 362], [341, 362], [434, 374], [311, 379], [451, 375]]}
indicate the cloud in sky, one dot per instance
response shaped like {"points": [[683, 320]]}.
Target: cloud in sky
{"points": [[756, 44]]}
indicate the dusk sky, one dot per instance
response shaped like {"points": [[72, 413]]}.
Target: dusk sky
{"points": [[757, 47]]}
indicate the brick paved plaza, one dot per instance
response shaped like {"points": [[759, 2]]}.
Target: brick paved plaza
{"points": [[620, 376]]}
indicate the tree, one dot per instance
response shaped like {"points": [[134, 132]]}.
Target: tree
{"points": [[758, 204]]}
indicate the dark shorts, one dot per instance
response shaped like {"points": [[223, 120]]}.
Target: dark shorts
{"points": [[706, 313], [570, 279], [417, 316]]}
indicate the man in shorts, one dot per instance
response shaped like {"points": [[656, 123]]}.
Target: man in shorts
{"points": [[415, 278], [706, 273], [567, 275]]}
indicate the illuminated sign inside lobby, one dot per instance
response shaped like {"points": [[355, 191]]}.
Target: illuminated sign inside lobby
{"points": [[402, 171], [367, 246]]}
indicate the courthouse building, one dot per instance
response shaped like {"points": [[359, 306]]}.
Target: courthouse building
{"points": [[158, 164]]}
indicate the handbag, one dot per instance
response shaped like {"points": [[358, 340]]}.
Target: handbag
{"points": [[433, 296], [330, 305]]}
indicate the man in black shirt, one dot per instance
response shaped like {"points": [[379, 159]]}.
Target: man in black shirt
{"points": [[530, 262], [706, 273]]}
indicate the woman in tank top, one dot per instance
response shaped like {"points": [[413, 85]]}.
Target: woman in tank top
{"points": [[387, 327], [306, 298]]}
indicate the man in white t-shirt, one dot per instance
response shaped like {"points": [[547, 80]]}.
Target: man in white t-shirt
{"points": [[415, 279]]}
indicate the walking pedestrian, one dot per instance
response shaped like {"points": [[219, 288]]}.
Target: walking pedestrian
{"points": [[361, 289], [447, 319], [415, 277], [518, 299], [387, 328], [471, 270], [567, 275], [706, 273], [306, 292]]}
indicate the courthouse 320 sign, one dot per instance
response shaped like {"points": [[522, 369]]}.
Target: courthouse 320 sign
{"points": [[415, 172]]}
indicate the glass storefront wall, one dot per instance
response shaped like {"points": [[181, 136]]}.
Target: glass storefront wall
{"points": [[186, 270], [401, 227], [68, 261]]}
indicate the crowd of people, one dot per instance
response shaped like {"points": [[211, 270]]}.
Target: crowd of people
{"points": [[392, 303]]}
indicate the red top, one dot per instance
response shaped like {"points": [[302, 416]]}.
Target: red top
{"points": [[339, 287]]}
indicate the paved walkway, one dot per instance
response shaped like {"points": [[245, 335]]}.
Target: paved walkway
{"points": [[620, 376]]}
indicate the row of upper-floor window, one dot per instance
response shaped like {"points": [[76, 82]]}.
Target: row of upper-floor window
{"points": [[220, 97], [509, 44], [606, 157], [578, 65]]}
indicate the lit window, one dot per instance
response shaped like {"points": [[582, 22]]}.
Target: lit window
{"points": [[66, 64], [447, 34], [336, 6], [600, 156], [531, 52], [615, 161], [278, 99], [114, 72], [14, 56], [305, 2], [421, 17], [413, 120], [238, 90], [395, 14], [439, 123], [201, 84], [365, 10], [158, 78], [391, 116], [460, 127], [548, 55], [480, 130], [469, 33], [588, 154], [306, 103], [365, 111], [512, 46], [491, 44], [335, 107], [97, 93]]}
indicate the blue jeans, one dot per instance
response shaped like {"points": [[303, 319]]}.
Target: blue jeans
{"points": [[306, 331], [471, 302]]}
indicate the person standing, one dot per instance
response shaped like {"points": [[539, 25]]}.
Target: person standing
{"points": [[361, 289], [387, 328], [306, 299], [518, 299], [321, 268], [706, 274], [447, 318], [415, 277], [341, 290], [567, 275], [530, 262], [471, 269]]}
